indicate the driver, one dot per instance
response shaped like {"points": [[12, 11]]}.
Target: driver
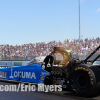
{"points": [[49, 61]]}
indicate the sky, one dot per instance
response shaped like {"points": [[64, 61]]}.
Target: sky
{"points": [[31, 21]]}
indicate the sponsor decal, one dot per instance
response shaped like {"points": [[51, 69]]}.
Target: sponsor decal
{"points": [[29, 75], [41, 78], [42, 75], [41, 81]]}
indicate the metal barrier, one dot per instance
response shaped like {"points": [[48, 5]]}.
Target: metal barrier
{"points": [[28, 58]]}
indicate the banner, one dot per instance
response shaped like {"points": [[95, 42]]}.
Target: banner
{"points": [[13, 63], [17, 63]]}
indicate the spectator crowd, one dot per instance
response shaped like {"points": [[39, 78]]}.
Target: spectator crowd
{"points": [[27, 51]]}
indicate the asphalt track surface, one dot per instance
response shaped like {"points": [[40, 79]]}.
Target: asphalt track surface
{"points": [[65, 95]]}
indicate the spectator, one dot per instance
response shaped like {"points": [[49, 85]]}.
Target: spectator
{"points": [[43, 48]]}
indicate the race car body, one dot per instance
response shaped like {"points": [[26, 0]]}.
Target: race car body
{"points": [[29, 73]]}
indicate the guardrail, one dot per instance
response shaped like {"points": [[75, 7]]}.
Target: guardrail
{"points": [[28, 58]]}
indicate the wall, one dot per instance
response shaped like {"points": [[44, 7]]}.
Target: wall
{"points": [[13, 63]]}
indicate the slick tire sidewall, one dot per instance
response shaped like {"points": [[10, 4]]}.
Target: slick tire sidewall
{"points": [[82, 81]]}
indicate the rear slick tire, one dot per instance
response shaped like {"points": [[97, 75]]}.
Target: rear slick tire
{"points": [[85, 81]]}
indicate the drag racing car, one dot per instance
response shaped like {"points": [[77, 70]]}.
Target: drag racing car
{"points": [[80, 76], [59, 68]]}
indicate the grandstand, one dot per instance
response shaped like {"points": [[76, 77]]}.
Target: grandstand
{"points": [[31, 50]]}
